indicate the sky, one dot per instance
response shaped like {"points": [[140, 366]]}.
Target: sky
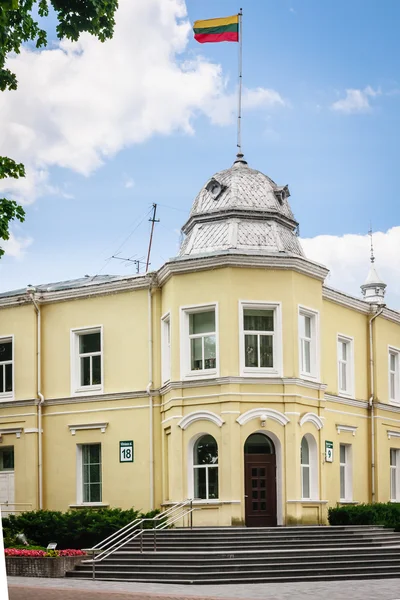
{"points": [[106, 130]]}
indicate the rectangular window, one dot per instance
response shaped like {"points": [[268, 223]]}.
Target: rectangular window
{"points": [[7, 458], [394, 376], [87, 376], [166, 348], [394, 475], [346, 487], [91, 473], [345, 365], [260, 343], [308, 343], [199, 345], [6, 367]]}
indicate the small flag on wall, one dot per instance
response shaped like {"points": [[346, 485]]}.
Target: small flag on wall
{"points": [[225, 29]]}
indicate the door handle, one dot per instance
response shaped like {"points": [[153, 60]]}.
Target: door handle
{"points": [[245, 496]]}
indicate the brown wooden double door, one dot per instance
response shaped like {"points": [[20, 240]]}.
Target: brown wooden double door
{"points": [[260, 490]]}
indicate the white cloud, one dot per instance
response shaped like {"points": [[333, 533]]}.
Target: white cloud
{"points": [[128, 182], [356, 101], [347, 257], [80, 103], [15, 246]]}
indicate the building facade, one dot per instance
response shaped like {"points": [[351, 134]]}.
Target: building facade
{"points": [[233, 375]]}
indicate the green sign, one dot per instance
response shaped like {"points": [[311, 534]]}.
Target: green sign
{"points": [[328, 451], [126, 451]]}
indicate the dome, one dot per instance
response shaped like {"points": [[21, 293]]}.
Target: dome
{"points": [[241, 210]]}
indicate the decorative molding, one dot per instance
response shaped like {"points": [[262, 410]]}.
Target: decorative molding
{"points": [[392, 434], [260, 413], [32, 430], [85, 426], [306, 501], [11, 430], [345, 300], [311, 418], [346, 429], [200, 415], [171, 419], [347, 401], [98, 398]]}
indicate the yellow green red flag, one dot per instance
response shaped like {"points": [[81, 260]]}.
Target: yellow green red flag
{"points": [[225, 29]]}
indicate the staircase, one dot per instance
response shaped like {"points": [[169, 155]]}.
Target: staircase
{"points": [[252, 555]]}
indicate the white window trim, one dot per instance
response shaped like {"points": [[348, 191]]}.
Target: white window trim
{"points": [[277, 370], [79, 476], [4, 396], [186, 372], [315, 347], [396, 468], [313, 468], [348, 473], [191, 467], [165, 349], [349, 393], [396, 351], [76, 388]]}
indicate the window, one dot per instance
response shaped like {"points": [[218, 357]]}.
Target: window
{"points": [[308, 331], [89, 478], [260, 338], [345, 365], [205, 468], [7, 458], [6, 367], [87, 361], [394, 371], [199, 356], [346, 491], [166, 348], [309, 468], [394, 475]]}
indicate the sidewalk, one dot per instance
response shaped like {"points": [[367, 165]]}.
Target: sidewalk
{"points": [[22, 588]]}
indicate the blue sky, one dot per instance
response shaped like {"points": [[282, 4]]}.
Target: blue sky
{"points": [[326, 122]]}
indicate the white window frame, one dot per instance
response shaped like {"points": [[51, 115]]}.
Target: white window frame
{"points": [[9, 395], [191, 467], [312, 466], [396, 374], [165, 348], [76, 388], [186, 372], [79, 475], [277, 369], [349, 341], [314, 374], [347, 467], [395, 497]]}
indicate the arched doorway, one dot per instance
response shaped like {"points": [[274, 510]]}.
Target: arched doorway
{"points": [[260, 481]]}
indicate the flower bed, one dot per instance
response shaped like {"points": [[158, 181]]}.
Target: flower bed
{"points": [[41, 563]]}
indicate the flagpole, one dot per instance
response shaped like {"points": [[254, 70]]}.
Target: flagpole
{"points": [[239, 128]]}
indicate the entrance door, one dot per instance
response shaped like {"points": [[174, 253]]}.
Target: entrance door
{"points": [[260, 481]]}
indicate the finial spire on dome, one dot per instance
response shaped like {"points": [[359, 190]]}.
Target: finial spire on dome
{"points": [[374, 288], [240, 158]]}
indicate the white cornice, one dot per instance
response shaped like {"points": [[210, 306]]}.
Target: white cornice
{"points": [[346, 429], [263, 414], [311, 418], [235, 259], [346, 401], [200, 415], [85, 426], [99, 397], [345, 300], [392, 434], [10, 430]]}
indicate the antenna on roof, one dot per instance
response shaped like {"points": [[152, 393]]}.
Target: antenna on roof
{"points": [[372, 244], [152, 220], [136, 262]]}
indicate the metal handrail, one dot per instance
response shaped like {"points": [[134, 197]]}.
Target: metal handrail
{"points": [[131, 535], [117, 534]]}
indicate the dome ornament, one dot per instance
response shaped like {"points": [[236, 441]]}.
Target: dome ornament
{"points": [[240, 159], [373, 290]]}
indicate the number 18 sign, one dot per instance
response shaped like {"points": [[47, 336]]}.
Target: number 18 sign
{"points": [[126, 451]]}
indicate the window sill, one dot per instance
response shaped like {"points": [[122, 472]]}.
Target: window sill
{"points": [[88, 391], [260, 373], [307, 501], [90, 505], [350, 395], [394, 402], [348, 502], [194, 375], [7, 396]]}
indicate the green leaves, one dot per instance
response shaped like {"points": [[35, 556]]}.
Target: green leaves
{"points": [[17, 26]]}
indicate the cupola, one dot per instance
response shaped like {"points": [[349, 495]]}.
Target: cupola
{"points": [[374, 288]]}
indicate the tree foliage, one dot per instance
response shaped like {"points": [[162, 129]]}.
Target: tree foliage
{"points": [[17, 26]]}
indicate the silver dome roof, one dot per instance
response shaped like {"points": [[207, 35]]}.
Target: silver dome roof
{"points": [[241, 210]]}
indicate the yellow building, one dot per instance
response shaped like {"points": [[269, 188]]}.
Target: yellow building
{"points": [[232, 375]]}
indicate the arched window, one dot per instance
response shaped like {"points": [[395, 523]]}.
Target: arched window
{"points": [[309, 468], [205, 468]]}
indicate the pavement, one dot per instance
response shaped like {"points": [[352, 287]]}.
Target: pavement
{"points": [[24, 588]]}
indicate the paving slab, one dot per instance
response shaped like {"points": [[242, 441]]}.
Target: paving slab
{"points": [[23, 588]]}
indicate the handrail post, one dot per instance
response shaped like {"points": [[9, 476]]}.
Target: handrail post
{"points": [[155, 539], [93, 566], [141, 538], [191, 513]]}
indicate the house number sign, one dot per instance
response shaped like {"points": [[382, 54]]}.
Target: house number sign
{"points": [[328, 451], [126, 451]]}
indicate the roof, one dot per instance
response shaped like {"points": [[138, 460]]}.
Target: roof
{"points": [[373, 278]]}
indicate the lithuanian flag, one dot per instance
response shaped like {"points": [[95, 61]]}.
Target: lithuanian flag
{"points": [[225, 29]]}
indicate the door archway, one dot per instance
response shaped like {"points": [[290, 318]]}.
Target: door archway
{"points": [[260, 481]]}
